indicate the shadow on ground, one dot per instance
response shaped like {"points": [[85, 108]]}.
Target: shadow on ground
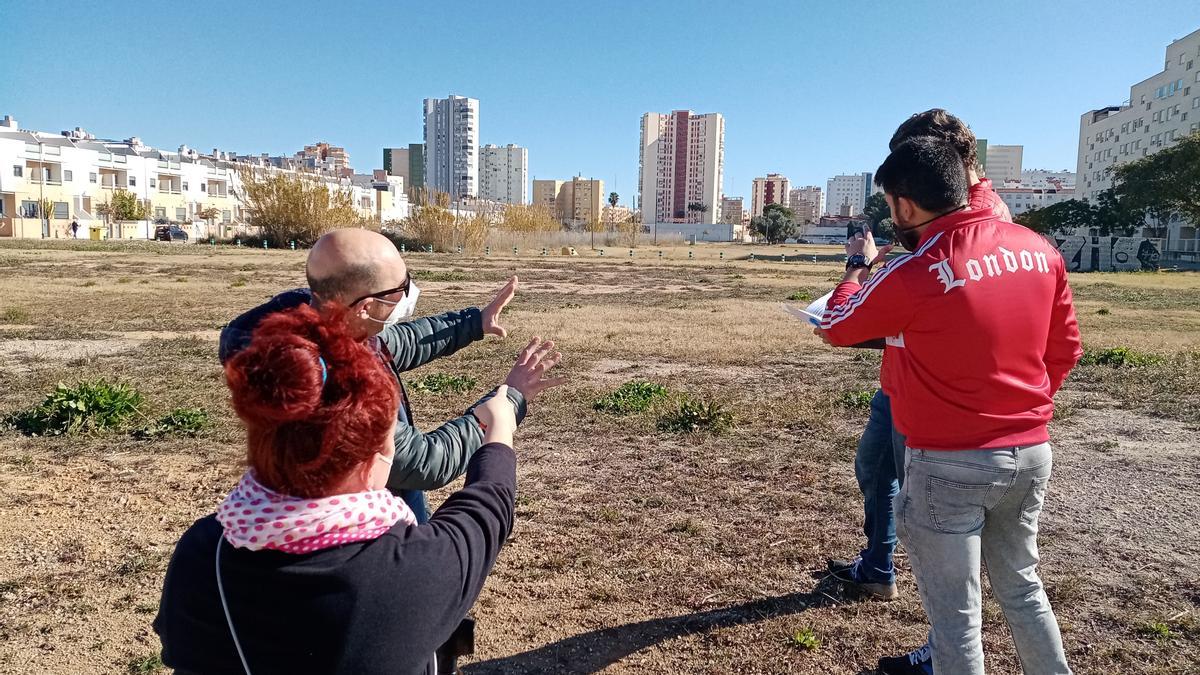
{"points": [[595, 650]]}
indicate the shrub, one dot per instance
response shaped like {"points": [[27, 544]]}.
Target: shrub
{"points": [[687, 526], [856, 399], [802, 296], [442, 383], [183, 421], [1103, 311], [14, 315], [693, 415], [634, 396], [89, 406], [1118, 357], [806, 639], [439, 276]]}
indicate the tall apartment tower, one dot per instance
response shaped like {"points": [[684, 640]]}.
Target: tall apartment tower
{"points": [[504, 173], [770, 190], [682, 159], [452, 146]]}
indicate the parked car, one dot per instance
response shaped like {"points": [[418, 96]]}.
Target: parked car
{"points": [[169, 233]]}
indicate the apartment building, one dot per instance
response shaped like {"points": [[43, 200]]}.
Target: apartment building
{"points": [[731, 210], [408, 164], [808, 203], [452, 146], [846, 194], [73, 173], [1160, 110], [325, 159], [504, 174], [680, 168], [1022, 199], [576, 202], [771, 189], [1004, 164]]}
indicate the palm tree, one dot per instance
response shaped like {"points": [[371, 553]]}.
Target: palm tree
{"points": [[698, 207], [613, 198]]}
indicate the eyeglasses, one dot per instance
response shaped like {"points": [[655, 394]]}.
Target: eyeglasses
{"points": [[382, 294]]}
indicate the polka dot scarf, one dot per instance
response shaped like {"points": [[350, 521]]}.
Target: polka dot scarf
{"points": [[257, 518]]}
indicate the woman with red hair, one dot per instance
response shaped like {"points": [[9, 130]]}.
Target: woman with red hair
{"points": [[310, 565]]}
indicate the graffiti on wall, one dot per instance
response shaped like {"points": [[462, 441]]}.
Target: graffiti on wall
{"points": [[1108, 254]]}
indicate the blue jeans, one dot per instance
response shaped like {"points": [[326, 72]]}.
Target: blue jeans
{"points": [[418, 503], [875, 467]]}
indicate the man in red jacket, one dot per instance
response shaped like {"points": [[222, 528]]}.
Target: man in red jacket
{"points": [[879, 458], [982, 333]]}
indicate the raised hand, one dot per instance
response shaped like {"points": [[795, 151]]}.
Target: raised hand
{"points": [[532, 364], [491, 313]]}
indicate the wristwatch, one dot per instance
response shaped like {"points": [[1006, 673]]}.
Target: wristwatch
{"points": [[858, 261]]}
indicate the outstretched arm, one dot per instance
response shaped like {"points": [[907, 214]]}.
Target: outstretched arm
{"points": [[414, 343]]}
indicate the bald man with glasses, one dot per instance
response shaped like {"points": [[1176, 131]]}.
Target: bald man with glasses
{"points": [[361, 272]]}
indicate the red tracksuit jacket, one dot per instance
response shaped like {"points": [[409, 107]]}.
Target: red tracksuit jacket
{"points": [[982, 327]]}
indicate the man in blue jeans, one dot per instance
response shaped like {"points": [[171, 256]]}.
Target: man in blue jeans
{"points": [[879, 477], [983, 325]]}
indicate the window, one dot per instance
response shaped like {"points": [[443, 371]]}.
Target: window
{"points": [[61, 210], [1196, 102], [160, 212], [152, 182], [204, 187], [181, 214], [17, 171], [133, 181], [29, 209], [185, 186], [68, 175], [225, 216], [92, 177]]}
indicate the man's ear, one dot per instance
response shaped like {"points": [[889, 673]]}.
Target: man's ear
{"points": [[907, 208]]}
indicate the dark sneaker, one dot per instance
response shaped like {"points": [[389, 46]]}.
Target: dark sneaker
{"points": [[916, 662], [851, 574]]}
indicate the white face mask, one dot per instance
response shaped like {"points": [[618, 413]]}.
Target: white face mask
{"points": [[401, 309]]}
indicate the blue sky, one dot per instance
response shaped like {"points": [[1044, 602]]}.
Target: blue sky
{"points": [[807, 89]]}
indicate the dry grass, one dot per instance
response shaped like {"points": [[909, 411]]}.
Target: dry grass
{"points": [[635, 550]]}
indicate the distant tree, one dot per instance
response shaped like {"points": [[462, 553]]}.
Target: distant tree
{"points": [[296, 207], [698, 207], [629, 229], [777, 224], [1109, 216], [46, 210], [529, 218], [1060, 218], [208, 215], [613, 198], [1163, 184], [876, 210], [122, 206]]}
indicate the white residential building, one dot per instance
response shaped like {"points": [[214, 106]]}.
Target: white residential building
{"points": [[680, 171], [1042, 178], [846, 195], [452, 146], [504, 173], [1003, 164], [74, 173], [773, 189], [1161, 110], [1022, 199]]}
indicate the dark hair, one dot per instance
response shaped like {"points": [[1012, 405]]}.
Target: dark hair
{"points": [[307, 424], [348, 280], [928, 171], [938, 123]]}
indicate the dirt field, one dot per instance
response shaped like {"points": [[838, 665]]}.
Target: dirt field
{"points": [[635, 550]]}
